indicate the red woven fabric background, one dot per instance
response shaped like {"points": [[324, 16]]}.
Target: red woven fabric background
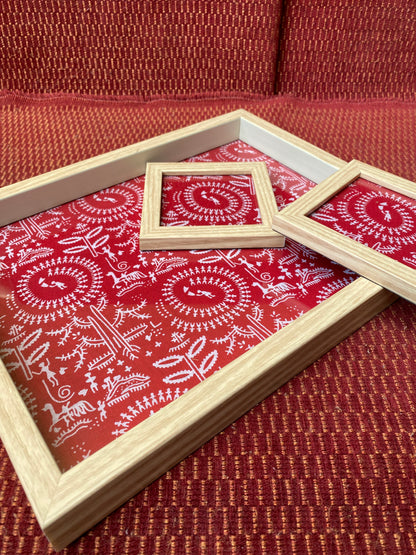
{"points": [[324, 465], [320, 49], [336, 49], [123, 47], [41, 133]]}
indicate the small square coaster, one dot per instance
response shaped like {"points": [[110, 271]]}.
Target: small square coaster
{"points": [[363, 218], [155, 236]]}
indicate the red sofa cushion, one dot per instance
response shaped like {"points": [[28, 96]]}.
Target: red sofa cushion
{"points": [[43, 132], [342, 49], [116, 47]]}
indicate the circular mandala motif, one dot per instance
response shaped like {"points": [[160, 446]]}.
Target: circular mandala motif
{"points": [[203, 298], [383, 216], [210, 203], [110, 205], [54, 288], [237, 151]]}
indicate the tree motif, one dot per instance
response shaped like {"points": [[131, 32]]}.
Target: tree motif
{"points": [[191, 369]]}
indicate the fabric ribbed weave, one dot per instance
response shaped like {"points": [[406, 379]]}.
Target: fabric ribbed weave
{"points": [[138, 48]]}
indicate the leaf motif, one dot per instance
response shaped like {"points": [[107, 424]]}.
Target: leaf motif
{"points": [[242, 181], [233, 253], [178, 377], [197, 347], [30, 339], [73, 250], [100, 242], [210, 259], [39, 352], [208, 362], [70, 240], [324, 217], [94, 232], [178, 223], [169, 361]]}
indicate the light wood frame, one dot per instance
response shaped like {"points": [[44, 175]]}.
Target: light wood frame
{"points": [[294, 221], [154, 236], [68, 503]]}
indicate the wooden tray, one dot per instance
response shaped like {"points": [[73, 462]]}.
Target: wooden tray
{"points": [[251, 321]]}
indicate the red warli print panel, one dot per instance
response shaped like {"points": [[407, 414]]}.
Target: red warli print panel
{"points": [[209, 200], [374, 216], [98, 335]]}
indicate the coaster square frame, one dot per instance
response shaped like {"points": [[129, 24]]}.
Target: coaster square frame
{"points": [[154, 236], [294, 221]]}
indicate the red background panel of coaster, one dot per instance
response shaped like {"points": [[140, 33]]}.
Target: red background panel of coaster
{"points": [[374, 216]]}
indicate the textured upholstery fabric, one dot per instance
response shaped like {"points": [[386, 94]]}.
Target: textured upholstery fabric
{"points": [[41, 133], [138, 48], [337, 49], [324, 49], [326, 463]]}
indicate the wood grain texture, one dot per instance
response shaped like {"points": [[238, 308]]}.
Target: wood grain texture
{"points": [[67, 504], [31, 458], [154, 236], [294, 221]]}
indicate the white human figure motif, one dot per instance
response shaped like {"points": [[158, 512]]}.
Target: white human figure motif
{"points": [[103, 412], [249, 265], [50, 375], [91, 381], [383, 209], [107, 250]]}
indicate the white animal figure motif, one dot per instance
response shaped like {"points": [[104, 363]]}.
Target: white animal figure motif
{"points": [[126, 278], [278, 292], [68, 413]]}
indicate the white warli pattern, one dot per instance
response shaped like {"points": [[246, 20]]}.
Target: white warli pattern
{"points": [[374, 216], [99, 335]]}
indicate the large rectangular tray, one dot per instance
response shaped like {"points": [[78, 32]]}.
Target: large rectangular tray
{"points": [[68, 500]]}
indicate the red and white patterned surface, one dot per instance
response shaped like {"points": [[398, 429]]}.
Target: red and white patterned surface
{"points": [[374, 216], [98, 335], [209, 200]]}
